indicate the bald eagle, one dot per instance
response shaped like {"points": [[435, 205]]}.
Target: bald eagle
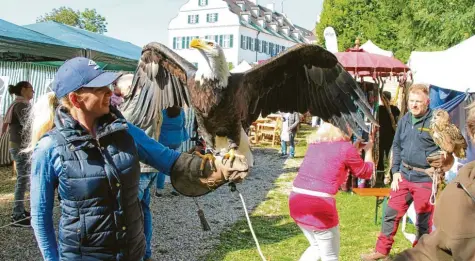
{"points": [[304, 78]]}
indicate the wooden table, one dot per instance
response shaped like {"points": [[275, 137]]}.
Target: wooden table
{"points": [[381, 195]]}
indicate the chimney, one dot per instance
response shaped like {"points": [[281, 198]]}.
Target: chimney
{"points": [[245, 15], [270, 7], [255, 11]]}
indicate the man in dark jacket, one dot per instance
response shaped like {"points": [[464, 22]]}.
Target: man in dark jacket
{"points": [[411, 146], [454, 236]]}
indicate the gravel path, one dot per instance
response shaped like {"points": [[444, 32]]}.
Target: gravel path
{"points": [[177, 231]]}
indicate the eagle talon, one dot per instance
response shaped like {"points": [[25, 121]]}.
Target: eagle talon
{"points": [[229, 156], [207, 157]]}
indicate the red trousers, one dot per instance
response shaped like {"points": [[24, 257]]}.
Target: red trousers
{"points": [[399, 202]]}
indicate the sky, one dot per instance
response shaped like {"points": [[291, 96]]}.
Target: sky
{"points": [[142, 21]]}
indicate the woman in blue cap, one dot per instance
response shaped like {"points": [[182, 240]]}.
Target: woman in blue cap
{"points": [[83, 146]]}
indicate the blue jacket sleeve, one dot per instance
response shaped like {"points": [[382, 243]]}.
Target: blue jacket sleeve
{"points": [[397, 147], [43, 182], [152, 152]]}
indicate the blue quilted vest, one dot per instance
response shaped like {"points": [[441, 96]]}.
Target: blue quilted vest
{"points": [[101, 218]]}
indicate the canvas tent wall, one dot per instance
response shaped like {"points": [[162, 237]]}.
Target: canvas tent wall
{"points": [[449, 69], [108, 52]]}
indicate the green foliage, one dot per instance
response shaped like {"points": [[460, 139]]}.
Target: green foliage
{"points": [[399, 25], [89, 19], [230, 66]]}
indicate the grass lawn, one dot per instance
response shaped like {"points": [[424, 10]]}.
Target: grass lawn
{"points": [[281, 239]]}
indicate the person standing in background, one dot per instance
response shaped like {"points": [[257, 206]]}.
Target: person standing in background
{"points": [[172, 134], [14, 121], [386, 136]]}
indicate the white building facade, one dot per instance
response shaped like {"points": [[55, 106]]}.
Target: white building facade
{"points": [[244, 30]]}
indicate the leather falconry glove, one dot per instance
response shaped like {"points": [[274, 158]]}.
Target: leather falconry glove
{"points": [[437, 161], [187, 178]]}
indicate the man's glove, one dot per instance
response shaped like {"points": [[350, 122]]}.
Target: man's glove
{"points": [[189, 180], [438, 160]]}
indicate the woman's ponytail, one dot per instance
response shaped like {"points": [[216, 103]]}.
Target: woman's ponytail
{"points": [[40, 119]]}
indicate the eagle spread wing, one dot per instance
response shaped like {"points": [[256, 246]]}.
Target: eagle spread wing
{"points": [[304, 78], [159, 82]]}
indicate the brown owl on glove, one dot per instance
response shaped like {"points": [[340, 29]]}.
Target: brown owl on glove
{"points": [[446, 135]]}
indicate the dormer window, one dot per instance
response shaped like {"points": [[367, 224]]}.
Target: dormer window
{"points": [[245, 16], [285, 30], [202, 2], [212, 18], [296, 34], [241, 5], [268, 16], [280, 20], [261, 22], [273, 25], [193, 19], [255, 11]]}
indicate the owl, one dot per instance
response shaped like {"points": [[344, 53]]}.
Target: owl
{"points": [[446, 135]]}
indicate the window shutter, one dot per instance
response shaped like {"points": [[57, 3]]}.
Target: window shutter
{"points": [[257, 45], [189, 19], [216, 38], [174, 42], [221, 40], [197, 19], [216, 19], [231, 41], [206, 2], [183, 43], [207, 18]]}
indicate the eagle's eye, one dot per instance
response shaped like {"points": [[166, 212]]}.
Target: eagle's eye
{"points": [[211, 44]]}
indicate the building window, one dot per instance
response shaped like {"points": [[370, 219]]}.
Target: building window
{"points": [[228, 41], [253, 44], [202, 2], [283, 48], [178, 43], [193, 19], [277, 49], [248, 42], [243, 42], [212, 18], [264, 47]]}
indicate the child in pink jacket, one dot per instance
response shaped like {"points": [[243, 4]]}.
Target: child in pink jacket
{"points": [[329, 158]]}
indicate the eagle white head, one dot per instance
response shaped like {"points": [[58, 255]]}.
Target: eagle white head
{"points": [[217, 68]]}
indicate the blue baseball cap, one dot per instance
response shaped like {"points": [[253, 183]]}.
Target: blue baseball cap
{"points": [[81, 72]]}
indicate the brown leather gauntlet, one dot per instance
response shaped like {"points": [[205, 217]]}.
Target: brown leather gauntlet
{"points": [[187, 178]]}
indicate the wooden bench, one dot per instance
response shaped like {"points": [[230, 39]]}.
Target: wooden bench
{"points": [[381, 195]]}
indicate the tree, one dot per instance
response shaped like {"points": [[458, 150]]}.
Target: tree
{"points": [[89, 19], [399, 25]]}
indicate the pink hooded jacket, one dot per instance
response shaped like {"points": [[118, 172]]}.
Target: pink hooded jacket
{"points": [[324, 168]]}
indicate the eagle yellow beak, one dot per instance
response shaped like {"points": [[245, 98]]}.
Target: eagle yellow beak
{"points": [[198, 44]]}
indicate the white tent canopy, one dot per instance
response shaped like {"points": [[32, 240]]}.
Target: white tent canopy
{"points": [[370, 47], [242, 67], [449, 69]]}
